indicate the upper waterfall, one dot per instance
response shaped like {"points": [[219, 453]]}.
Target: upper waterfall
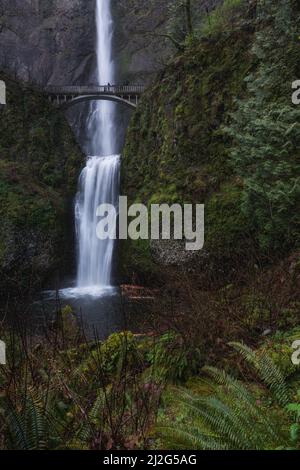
{"points": [[101, 121]]}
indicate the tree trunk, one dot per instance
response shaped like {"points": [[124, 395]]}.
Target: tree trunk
{"points": [[188, 11]]}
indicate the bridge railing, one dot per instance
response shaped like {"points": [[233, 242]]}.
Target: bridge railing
{"points": [[88, 90]]}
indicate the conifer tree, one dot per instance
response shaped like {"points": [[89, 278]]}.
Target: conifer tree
{"points": [[266, 128]]}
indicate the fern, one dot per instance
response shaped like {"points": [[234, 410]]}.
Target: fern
{"points": [[268, 372], [231, 417], [29, 428], [92, 422]]}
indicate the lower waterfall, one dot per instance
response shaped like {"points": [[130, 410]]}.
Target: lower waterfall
{"points": [[99, 184]]}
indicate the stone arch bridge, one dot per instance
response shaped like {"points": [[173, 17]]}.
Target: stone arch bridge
{"points": [[66, 96]]}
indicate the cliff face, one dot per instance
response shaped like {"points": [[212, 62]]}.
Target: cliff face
{"points": [[39, 167], [47, 41], [140, 49], [211, 130], [177, 151], [53, 41], [141, 26]]}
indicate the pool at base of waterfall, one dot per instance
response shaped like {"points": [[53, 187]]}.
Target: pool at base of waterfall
{"points": [[98, 309], [89, 291]]}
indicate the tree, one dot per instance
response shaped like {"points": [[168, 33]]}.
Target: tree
{"points": [[188, 14], [180, 23], [266, 131]]}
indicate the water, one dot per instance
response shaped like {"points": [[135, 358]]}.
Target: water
{"points": [[93, 295], [98, 311], [99, 181], [101, 121]]}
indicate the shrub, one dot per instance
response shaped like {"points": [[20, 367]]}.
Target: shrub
{"points": [[223, 17]]}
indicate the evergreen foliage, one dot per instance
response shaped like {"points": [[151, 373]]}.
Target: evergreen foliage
{"points": [[266, 129]]}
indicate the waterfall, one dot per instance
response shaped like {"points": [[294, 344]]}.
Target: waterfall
{"points": [[99, 181], [101, 121]]}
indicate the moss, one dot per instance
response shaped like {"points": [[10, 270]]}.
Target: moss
{"points": [[39, 166], [176, 150], [226, 226], [279, 349], [111, 354], [136, 262]]}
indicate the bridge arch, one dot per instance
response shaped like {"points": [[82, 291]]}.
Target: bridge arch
{"points": [[99, 97], [64, 97]]}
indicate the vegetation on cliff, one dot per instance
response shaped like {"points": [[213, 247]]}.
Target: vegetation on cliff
{"points": [[40, 162], [218, 128], [265, 131]]}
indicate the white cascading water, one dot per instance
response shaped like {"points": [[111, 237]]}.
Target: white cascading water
{"points": [[99, 181]]}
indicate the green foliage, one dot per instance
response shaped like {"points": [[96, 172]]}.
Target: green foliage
{"points": [[169, 360], [111, 355], [119, 347], [76, 396], [294, 410], [68, 322], [267, 370], [39, 166], [219, 128], [266, 132], [31, 426], [232, 415], [223, 18], [176, 150], [137, 255], [279, 349], [225, 224]]}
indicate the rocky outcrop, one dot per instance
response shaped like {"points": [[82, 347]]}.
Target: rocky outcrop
{"points": [[140, 48]]}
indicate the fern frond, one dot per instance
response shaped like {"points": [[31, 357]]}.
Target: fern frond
{"points": [[181, 439], [231, 417], [29, 428], [267, 370]]}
